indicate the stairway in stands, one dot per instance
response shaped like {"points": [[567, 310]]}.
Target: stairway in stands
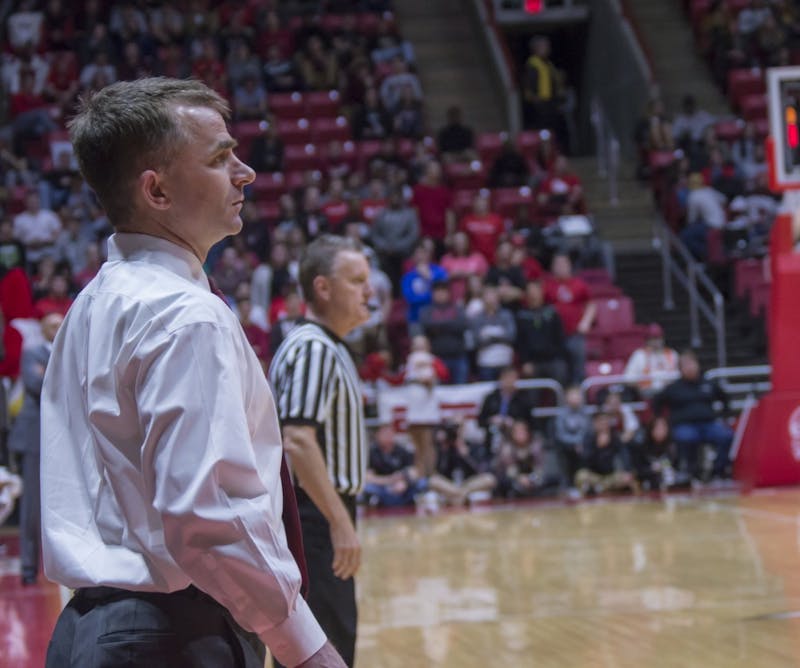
{"points": [[452, 66], [639, 275]]}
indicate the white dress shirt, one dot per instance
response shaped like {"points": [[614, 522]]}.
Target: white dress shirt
{"points": [[161, 448]]}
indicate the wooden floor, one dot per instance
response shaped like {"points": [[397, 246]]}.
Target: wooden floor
{"points": [[688, 581]]}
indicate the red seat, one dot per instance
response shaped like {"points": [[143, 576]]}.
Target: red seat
{"points": [[528, 143], [661, 159], [623, 343], [754, 106], [595, 275], [506, 201], [301, 158], [322, 103], [489, 145], [295, 131], [287, 105], [367, 149], [759, 298], [268, 186], [461, 175], [595, 346], [268, 210], [614, 314], [609, 367], [604, 290], [462, 201], [744, 82], [349, 155], [747, 273], [715, 247], [327, 129], [729, 130], [244, 132]]}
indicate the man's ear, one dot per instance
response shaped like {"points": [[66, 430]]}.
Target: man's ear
{"points": [[322, 288], [151, 190]]}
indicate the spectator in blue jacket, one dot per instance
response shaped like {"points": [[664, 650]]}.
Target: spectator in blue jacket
{"points": [[417, 284]]}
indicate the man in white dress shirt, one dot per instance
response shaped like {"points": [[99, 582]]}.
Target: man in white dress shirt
{"points": [[161, 449]]}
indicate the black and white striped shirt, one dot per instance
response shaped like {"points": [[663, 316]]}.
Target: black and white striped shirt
{"points": [[315, 382]]}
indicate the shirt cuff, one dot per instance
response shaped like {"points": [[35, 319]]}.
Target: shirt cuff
{"points": [[297, 638]]}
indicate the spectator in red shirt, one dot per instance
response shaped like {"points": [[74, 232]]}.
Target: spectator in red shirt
{"points": [[57, 299], [434, 202], [375, 201], [256, 336], [570, 296], [335, 205], [561, 193], [62, 84], [11, 348], [209, 68], [484, 227], [461, 263]]}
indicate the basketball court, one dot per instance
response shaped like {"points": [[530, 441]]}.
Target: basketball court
{"points": [[704, 581]]}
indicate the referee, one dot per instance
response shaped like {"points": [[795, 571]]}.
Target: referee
{"points": [[320, 405]]}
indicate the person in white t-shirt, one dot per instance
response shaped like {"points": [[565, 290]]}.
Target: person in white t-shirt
{"points": [[657, 363], [37, 229]]}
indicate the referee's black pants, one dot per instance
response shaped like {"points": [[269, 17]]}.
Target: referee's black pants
{"points": [[105, 627], [331, 599]]}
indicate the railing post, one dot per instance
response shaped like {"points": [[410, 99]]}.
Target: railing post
{"points": [[613, 171], [666, 274], [722, 353], [598, 122], [694, 315]]}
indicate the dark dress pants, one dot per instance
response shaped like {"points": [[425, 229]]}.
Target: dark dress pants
{"points": [[104, 627], [30, 516], [332, 600]]}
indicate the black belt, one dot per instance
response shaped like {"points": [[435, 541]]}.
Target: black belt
{"points": [[102, 594]]}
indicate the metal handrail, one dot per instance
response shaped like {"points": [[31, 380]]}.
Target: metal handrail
{"points": [[608, 150], [692, 278]]}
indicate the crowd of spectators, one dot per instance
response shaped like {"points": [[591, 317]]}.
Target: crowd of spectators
{"points": [[472, 274]]}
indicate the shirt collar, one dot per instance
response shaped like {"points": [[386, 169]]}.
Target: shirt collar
{"points": [[144, 247]]}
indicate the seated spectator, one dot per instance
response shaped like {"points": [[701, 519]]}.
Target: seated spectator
{"points": [[423, 372], [391, 90], [561, 192], [705, 210], [540, 337], [570, 428], [91, 265], [317, 65], [750, 19], [280, 73], [62, 85], [242, 64], [473, 300], [653, 457], [543, 90], [59, 179], [37, 229], [373, 202], [723, 175], [266, 151], [483, 227], [510, 169], [133, 64], [24, 25], [230, 271], [654, 132], [387, 162], [444, 324], [311, 220], [494, 333], [285, 314], [459, 474], [57, 299], [456, 141], [395, 231], [255, 334], [407, 120], [370, 119], [209, 68], [72, 243], [506, 276], [651, 367], [570, 296], [621, 416], [12, 252], [372, 335], [99, 66], [434, 202], [392, 479], [387, 45], [693, 418], [604, 466], [504, 406], [417, 283], [690, 125], [30, 117], [519, 465], [461, 263], [249, 99]]}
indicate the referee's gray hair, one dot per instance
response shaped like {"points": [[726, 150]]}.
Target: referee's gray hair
{"points": [[319, 258]]}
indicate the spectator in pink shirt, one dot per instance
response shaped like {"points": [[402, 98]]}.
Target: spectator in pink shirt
{"points": [[461, 263]]}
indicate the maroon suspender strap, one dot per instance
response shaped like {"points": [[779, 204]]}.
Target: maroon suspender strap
{"points": [[291, 516]]}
